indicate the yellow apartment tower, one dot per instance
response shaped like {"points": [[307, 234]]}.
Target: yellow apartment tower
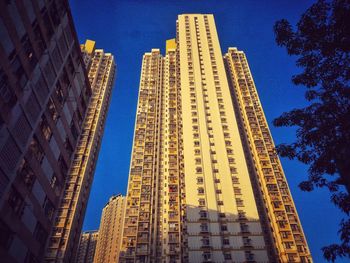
{"points": [[64, 239], [110, 232], [205, 184]]}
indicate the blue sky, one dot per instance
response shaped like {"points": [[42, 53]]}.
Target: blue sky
{"points": [[129, 28]]}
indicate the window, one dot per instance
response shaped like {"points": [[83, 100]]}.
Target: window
{"points": [[48, 26], [54, 183], [218, 191], [63, 166], [227, 256], [6, 92], [205, 241], [239, 202], [28, 51], [223, 227], [204, 227], [18, 70], [40, 234], [233, 170], [36, 150], [198, 169], [68, 146], [225, 241], [74, 130], [26, 174], [203, 214], [201, 202], [59, 93], [49, 209], [200, 190], [244, 228], [222, 215], [206, 256], [45, 128], [51, 108], [288, 245], [220, 203], [235, 180], [6, 235], [40, 43], [241, 214], [199, 180], [16, 202], [237, 190], [249, 255], [247, 241]]}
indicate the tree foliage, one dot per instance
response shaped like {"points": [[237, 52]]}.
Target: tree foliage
{"points": [[321, 43]]}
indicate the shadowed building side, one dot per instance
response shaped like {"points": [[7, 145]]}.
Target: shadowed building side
{"points": [[65, 236], [44, 93]]}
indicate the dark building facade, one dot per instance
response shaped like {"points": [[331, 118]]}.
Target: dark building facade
{"points": [[44, 95]]}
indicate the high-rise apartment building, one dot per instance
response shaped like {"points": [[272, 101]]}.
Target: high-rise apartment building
{"points": [[64, 239], [110, 232], [204, 183], [281, 221], [87, 247], [44, 93]]}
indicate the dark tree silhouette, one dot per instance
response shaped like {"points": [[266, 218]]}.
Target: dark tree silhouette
{"points": [[321, 43]]}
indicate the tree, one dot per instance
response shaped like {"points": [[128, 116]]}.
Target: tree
{"points": [[321, 44]]}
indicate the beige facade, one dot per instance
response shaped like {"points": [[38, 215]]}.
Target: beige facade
{"points": [[221, 212], [193, 193], [110, 232], [289, 241], [87, 247], [64, 238]]}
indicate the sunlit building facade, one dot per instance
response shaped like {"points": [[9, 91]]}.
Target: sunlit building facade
{"points": [[205, 184], [110, 231], [87, 247], [44, 93], [276, 206], [64, 238]]}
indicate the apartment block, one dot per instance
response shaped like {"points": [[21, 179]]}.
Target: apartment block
{"points": [[64, 239], [44, 97], [87, 247], [205, 184], [281, 221], [110, 232]]}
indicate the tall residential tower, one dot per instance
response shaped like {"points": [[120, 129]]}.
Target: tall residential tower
{"points": [[87, 247], [64, 238], [205, 184], [110, 232], [44, 93]]}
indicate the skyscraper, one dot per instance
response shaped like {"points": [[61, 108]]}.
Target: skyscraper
{"points": [[87, 247], [44, 93], [110, 231], [64, 238], [280, 218], [200, 183]]}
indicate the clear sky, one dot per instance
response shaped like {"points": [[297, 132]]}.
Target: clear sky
{"points": [[129, 28]]}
